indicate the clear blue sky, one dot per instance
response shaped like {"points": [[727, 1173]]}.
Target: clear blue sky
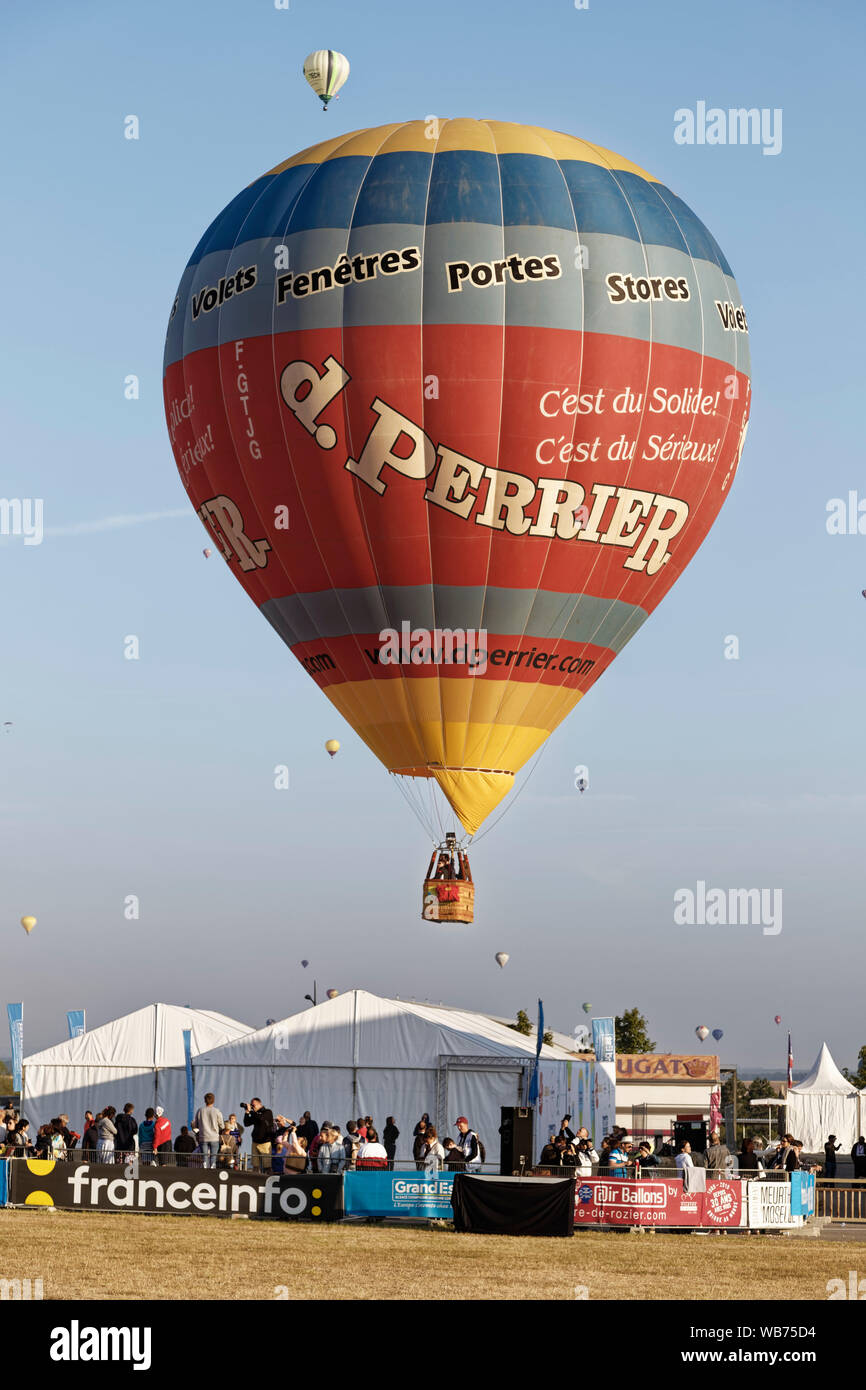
{"points": [[155, 777]]}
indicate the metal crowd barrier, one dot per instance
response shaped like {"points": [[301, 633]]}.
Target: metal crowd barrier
{"points": [[841, 1199]]}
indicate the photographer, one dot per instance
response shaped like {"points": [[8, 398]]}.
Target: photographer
{"points": [[261, 1121]]}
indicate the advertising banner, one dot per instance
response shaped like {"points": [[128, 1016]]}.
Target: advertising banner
{"points": [[802, 1194], [75, 1022], [603, 1100], [656, 1202], [2, 1184], [190, 1090], [604, 1039], [15, 1014], [424, 1196], [770, 1204], [202, 1191]]}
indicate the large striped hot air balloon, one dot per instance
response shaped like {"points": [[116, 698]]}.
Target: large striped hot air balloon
{"points": [[457, 377]]}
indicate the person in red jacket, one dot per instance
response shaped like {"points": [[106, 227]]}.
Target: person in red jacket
{"points": [[162, 1136]]}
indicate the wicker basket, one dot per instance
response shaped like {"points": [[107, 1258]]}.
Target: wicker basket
{"points": [[448, 900]]}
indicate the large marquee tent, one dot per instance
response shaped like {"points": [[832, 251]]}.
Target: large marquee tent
{"points": [[824, 1103], [360, 1054], [138, 1058]]}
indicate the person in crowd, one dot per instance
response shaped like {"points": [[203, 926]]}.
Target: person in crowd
{"points": [[424, 1120], [227, 1156], [858, 1156], [184, 1145], [56, 1140], [565, 1130], [549, 1156], [351, 1144], [390, 1135], [236, 1129], [371, 1153], [434, 1153], [43, 1141], [454, 1157], [604, 1155], [307, 1129], [684, 1157], [18, 1138], [467, 1140], [70, 1136], [645, 1158], [749, 1162], [314, 1146], [419, 1143], [208, 1126], [567, 1152], [162, 1136], [794, 1161], [617, 1159], [326, 1149], [127, 1128], [362, 1127], [106, 1131], [261, 1120], [586, 1155], [717, 1155], [146, 1132], [90, 1137], [831, 1148], [780, 1155]]}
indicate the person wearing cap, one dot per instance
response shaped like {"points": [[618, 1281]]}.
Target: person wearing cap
{"points": [[645, 1157], [468, 1142], [162, 1136]]}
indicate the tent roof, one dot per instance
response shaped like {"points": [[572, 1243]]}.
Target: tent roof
{"points": [[362, 1029], [825, 1077], [149, 1037]]}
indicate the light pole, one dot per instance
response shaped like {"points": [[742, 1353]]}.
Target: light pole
{"points": [[312, 997]]}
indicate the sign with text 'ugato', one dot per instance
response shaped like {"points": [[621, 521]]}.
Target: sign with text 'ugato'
{"points": [[200, 1191]]}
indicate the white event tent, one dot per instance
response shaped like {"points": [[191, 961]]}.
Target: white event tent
{"points": [[824, 1103], [139, 1058], [359, 1054]]}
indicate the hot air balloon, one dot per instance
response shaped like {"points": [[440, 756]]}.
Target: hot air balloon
{"points": [[28, 923], [702, 1032], [326, 71], [7, 727], [333, 746], [778, 1018], [587, 1008], [207, 553], [332, 993], [442, 423], [502, 958], [718, 1034], [305, 963]]}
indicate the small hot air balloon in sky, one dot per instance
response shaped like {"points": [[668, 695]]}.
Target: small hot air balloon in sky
{"points": [[305, 963], [207, 553], [332, 993], [326, 71], [28, 923], [502, 959], [718, 1034], [332, 746], [587, 1008], [778, 1018], [7, 727], [702, 1032]]}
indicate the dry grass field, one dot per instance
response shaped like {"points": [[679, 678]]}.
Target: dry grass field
{"points": [[90, 1255]]}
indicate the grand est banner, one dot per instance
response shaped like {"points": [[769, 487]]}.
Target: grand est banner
{"points": [[422, 1196], [656, 1202], [200, 1191]]}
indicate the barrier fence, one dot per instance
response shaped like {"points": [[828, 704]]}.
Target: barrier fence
{"points": [[841, 1199]]}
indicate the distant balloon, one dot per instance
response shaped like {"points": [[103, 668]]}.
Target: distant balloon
{"points": [[502, 958], [269, 1021], [332, 746], [702, 1032], [778, 1018], [7, 727], [718, 1034], [305, 963], [28, 923], [587, 1008], [332, 993], [207, 553], [326, 71]]}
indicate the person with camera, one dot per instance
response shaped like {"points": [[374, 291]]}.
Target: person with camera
{"points": [[261, 1121]]}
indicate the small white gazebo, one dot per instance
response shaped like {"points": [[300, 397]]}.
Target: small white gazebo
{"points": [[824, 1103]]}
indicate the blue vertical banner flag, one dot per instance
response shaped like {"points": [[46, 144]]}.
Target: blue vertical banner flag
{"points": [[190, 1094], [15, 1014], [75, 1022], [790, 1062], [533, 1084], [604, 1039]]}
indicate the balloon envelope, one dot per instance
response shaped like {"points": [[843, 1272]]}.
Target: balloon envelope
{"points": [[333, 746], [778, 1018], [305, 963], [502, 958], [332, 993], [718, 1034], [587, 1008], [28, 923], [326, 71], [427, 413], [702, 1032], [207, 553]]}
